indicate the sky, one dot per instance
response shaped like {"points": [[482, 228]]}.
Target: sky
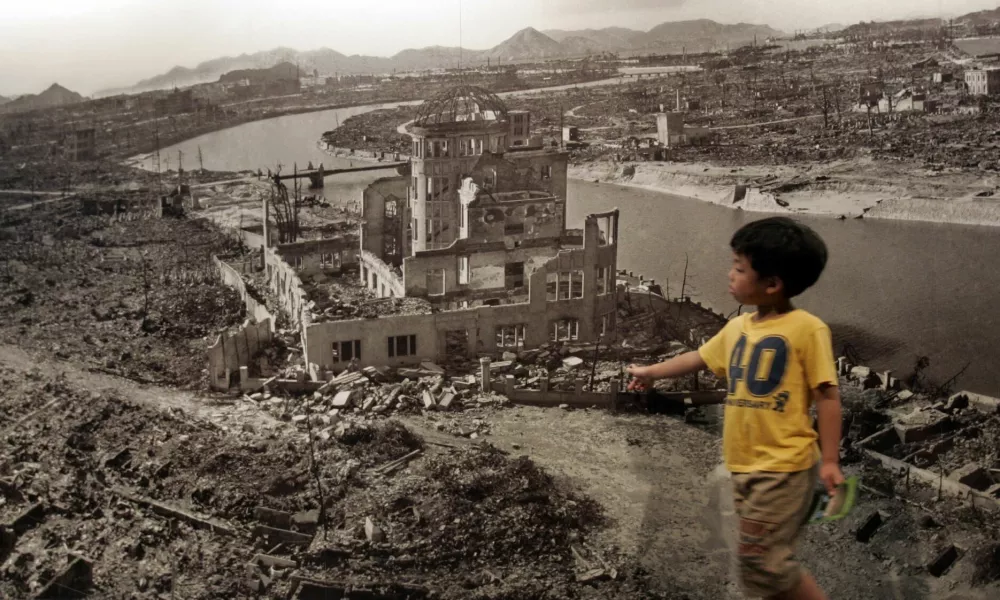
{"points": [[89, 45]]}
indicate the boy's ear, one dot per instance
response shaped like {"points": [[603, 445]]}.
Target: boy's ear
{"points": [[774, 285]]}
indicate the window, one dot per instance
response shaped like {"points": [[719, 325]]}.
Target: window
{"points": [[565, 330], [547, 172], [329, 260], [390, 247], [603, 325], [435, 282], [603, 280], [513, 228], [364, 274], [416, 232], [464, 272], [296, 262], [414, 195], [510, 336], [551, 286], [514, 275], [565, 285], [346, 351], [576, 284], [390, 209], [402, 345]]}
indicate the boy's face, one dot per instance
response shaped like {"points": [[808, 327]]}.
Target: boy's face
{"points": [[747, 287]]}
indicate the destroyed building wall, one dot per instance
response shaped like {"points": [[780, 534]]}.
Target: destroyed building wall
{"points": [[570, 298], [380, 277], [523, 170], [515, 217], [256, 309], [234, 350], [983, 82], [474, 273], [384, 215], [442, 153], [327, 255], [284, 283]]}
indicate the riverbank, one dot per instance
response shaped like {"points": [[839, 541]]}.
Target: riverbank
{"points": [[843, 189]]}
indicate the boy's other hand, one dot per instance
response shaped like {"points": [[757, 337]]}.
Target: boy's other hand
{"points": [[640, 378], [831, 476]]}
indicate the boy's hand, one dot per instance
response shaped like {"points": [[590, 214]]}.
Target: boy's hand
{"points": [[831, 476], [640, 378]]}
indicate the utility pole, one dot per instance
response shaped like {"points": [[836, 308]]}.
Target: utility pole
{"points": [[201, 163]]}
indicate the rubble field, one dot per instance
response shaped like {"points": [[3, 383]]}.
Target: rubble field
{"points": [[133, 297], [118, 499]]}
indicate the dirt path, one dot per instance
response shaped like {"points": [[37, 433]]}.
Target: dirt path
{"points": [[216, 409], [650, 474]]}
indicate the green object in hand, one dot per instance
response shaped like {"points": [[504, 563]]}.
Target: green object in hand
{"points": [[826, 509]]}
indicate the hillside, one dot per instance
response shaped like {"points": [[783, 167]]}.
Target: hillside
{"points": [[55, 95], [983, 17], [609, 38], [527, 44], [703, 35], [280, 71]]}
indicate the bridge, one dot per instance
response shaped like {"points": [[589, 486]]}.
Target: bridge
{"points": [[316, 176]]}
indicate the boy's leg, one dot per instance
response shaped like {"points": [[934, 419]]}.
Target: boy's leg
{"points": [[772, 508]]}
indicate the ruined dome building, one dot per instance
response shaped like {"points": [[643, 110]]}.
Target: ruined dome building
{"points": [[476, 227]]}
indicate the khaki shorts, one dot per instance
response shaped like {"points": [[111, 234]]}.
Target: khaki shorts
{"points": [[772, 509]]}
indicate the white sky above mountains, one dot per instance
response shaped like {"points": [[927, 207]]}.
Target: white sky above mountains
{"points": [[87, 45]]}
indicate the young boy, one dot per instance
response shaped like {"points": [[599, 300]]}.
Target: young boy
{"points": [[777, 362]]}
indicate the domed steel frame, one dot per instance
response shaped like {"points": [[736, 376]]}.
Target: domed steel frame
{"points": [[457, 101]]}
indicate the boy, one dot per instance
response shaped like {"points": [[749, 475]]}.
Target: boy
{"points": [[777, 362]]}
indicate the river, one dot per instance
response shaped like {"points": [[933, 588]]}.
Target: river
{"points": [[895, 290]]}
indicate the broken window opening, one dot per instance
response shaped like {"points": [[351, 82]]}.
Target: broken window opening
{"points": [[603, 280], [513, 228], [546, 172], [576, 284], [564, 330], [464, 270], [346, 351], [510, 336], [606, 234], [435, 282], [551, 286], [390, 209], [390, 246], [402, 345], [603, 325], [514, 275]]}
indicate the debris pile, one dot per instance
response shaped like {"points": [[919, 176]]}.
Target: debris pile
{"points": [[113, 499], [136, 298]]}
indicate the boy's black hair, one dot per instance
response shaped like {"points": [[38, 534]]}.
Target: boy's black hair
{"points": [[783, 248]]}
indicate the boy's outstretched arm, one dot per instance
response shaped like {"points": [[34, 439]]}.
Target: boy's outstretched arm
{"points": [[827, 398], [678, 366]]}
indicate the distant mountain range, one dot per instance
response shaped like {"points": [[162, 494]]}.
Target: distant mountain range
{"points": [[527, 44], [55, 95], [983, 17]]}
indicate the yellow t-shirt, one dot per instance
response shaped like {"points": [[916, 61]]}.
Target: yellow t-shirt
{"points": [[771, 368]]}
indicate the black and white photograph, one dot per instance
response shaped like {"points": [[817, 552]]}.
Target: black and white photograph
{"points": [[500, 300]]}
